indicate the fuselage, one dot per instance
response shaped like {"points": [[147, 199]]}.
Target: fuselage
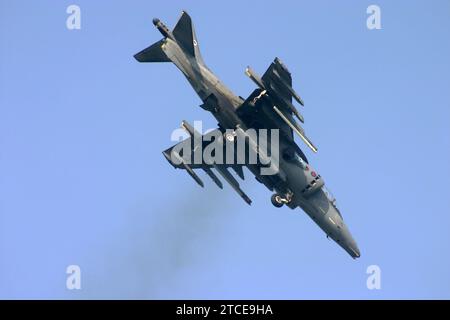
{"points": [[298, 177]]}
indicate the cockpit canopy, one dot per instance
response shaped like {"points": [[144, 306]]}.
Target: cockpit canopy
{"points": [[331, 198]]}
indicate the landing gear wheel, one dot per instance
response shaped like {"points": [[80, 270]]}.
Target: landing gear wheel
{"points": [[277, 201]]}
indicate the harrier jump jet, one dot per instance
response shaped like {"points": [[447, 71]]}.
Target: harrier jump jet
{"points": [[294, 182]]}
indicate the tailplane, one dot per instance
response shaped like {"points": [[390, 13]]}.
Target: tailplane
{"points": [[183, 34], [154, 53]]}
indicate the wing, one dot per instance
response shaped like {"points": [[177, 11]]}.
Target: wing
{"points": [[189, 155], [276, 75], [274, 98]]}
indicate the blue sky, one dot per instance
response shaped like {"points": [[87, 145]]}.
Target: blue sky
{"points": [[83, 181]]}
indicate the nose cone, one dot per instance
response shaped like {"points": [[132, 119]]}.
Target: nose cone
{"points": [[336, 228], [155, 21], [344, 238], [328, 217], [349, 245]]}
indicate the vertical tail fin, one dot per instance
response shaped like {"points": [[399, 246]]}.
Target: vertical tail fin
{"points": [[184, 33]]}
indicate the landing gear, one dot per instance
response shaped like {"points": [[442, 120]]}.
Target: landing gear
{"points": [[277, 200], [229, 136]]}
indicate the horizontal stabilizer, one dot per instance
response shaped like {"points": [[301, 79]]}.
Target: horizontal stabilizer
{"points": [[154, 53]]}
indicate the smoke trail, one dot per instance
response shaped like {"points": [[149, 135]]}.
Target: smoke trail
{"points": [[157, 244]]}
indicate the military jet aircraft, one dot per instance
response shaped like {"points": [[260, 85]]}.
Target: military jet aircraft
{"points": [[294, 182]]}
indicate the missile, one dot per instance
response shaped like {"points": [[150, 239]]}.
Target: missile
{"points": [[196, 135], [193, 174], [188, 169], [196, 138], [288, 88], [294, 94], [280, 65], [296, 128], [287, 103], [232, 182], [190, 129], [255, 78]]}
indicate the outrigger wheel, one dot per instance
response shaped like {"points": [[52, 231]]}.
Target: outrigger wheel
{"points": [[229, 136], [277, 200]]}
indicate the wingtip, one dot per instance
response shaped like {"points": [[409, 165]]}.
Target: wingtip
{"points": [[247, 199]]}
